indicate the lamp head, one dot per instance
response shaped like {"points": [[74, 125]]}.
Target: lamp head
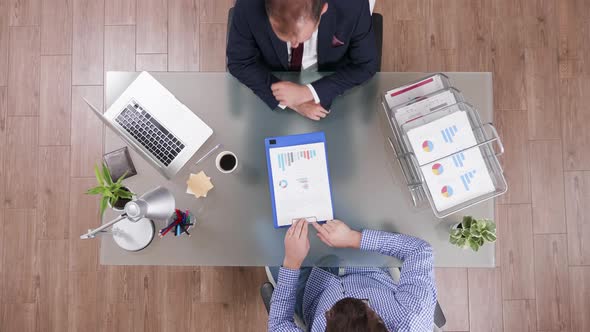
{"points": [[157, 204]]}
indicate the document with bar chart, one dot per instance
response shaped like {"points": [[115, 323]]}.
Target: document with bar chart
{"points": [[300, 183]]}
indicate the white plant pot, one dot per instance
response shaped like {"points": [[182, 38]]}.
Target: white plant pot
{"points": [[122, 208]]}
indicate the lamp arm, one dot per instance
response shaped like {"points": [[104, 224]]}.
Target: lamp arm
{"points": [[92, 232]]}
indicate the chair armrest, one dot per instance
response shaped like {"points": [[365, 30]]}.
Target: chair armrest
{"points": [[439, 317], [266, 291]]}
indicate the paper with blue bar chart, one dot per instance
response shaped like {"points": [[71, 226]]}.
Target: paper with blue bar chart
{"points": [[457, 177], [301, 183]]}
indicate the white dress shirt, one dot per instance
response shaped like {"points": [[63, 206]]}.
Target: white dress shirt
{"points": [[309, 61], [310, 53]]}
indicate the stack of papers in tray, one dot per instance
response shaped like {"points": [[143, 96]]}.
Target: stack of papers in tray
{"points": [[460, 175], [412, 114], [415, 90]]}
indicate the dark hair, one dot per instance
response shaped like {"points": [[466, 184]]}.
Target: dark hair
{"points": [[353, 315], [287, 12]]}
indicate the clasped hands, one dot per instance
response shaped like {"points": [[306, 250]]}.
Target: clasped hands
{"points": [[299, 98], [333, 233]]}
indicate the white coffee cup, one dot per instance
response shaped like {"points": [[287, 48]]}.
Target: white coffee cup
{"points": [[225, 163]]}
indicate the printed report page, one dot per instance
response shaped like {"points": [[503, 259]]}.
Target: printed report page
{"points": [[301, 183]]}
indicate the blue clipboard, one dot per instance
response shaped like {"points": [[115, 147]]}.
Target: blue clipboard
{"points": [[292, 140]]}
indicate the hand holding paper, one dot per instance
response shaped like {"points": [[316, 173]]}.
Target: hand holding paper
{"points": [[296, 245]]}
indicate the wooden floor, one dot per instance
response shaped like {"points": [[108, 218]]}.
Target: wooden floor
{"points": [[54, 52]]}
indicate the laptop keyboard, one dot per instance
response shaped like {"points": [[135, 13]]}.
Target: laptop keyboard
{"points": [[150, 133]]}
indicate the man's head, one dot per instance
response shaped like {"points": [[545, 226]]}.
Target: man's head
{"points": [[353, 315], [295, 21]]}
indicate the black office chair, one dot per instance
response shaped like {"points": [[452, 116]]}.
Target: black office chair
{"points": [[230, 14], [377, 27], [267, 289]]}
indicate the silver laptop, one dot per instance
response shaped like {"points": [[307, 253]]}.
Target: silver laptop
{"points": [[158, 126]]}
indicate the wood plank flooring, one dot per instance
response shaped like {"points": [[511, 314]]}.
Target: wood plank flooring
{"points": [[55, 52]]}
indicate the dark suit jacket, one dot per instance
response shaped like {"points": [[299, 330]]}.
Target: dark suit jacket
{"points": [[346, 46]]}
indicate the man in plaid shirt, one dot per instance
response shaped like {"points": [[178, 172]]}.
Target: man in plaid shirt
{"points": [[360, 299]]}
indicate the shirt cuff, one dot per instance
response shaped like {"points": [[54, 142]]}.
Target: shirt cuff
{"points": [[316, 98], [287, 276], [281, 106], [371, 240]]}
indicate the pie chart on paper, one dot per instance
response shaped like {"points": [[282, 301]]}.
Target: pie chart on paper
{"points": [[447, 191], [283, 184], [427, 146], [437, 169]]}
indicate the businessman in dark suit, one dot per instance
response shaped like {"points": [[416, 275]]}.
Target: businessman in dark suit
{"points": [[296, 35]]}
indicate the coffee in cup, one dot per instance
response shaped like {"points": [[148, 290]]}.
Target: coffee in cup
{"points": [[226, 162]]}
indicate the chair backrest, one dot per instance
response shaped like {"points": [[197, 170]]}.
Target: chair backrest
{"points": [[230, 15]]}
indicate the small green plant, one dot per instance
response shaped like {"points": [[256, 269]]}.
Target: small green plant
{"points": [[112, 192], [473, 233]]}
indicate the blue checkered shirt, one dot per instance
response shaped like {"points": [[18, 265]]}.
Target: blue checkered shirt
{"points": [[407, 305]]}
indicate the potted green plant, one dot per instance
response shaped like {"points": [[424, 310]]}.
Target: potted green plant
{"points": [[114, 193], [473, 233]]}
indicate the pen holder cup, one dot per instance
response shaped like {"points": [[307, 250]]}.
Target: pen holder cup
{"points": [[176, 228]]}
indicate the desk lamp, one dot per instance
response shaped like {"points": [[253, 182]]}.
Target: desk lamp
{"points": [[134, 229]]}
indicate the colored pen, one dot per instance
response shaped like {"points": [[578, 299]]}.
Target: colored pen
{"points": [[176, 221], [185, 230]]}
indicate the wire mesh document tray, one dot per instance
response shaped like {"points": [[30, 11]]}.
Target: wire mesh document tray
{"points": [[468, 174]]}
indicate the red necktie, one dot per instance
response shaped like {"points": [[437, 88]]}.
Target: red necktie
{"points": [[296, 58]]}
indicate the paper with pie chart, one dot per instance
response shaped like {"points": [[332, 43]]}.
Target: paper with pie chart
{"points": [[457, 179], [441, 137], [458, 176], [301, 183]]}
